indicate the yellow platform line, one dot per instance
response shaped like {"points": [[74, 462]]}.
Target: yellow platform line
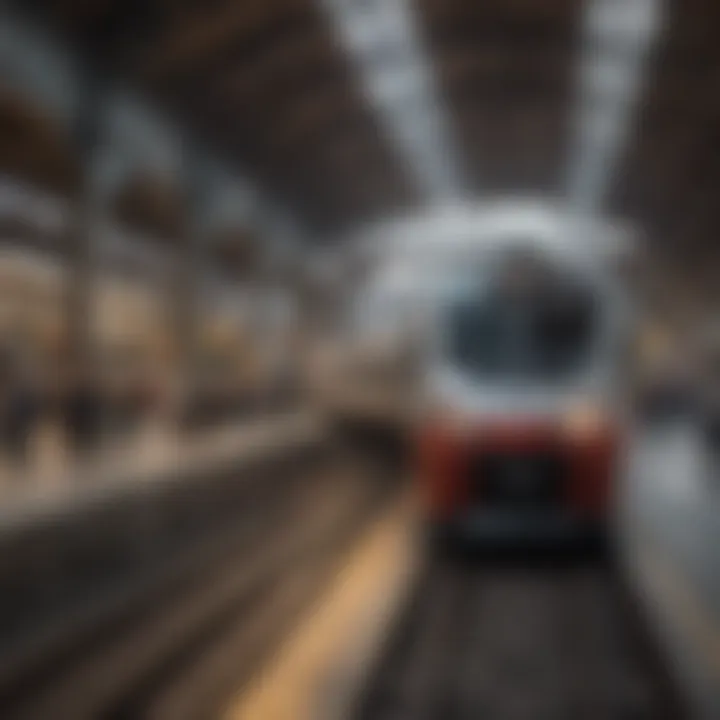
{"points": [[319, 668]]}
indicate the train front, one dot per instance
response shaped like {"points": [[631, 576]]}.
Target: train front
{"points": [[521, 437]]}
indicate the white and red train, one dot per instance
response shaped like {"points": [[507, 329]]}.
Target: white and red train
{"points": [[519, 328]]}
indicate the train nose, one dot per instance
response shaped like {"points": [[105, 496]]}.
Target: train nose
{"points": [[517, 465]]}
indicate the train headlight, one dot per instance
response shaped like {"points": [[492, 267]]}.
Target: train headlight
{"points": [[585, 422]]}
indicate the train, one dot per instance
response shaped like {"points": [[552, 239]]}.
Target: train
{"points": [[498, 338]]}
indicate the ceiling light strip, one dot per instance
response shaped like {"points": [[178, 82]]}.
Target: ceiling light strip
{"points": [[401, 87], [618, 36]]}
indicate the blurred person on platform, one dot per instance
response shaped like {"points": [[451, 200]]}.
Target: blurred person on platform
{"points": [[83, 413], [21, 412], [669, 373]]}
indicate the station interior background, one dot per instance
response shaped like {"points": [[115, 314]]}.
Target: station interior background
{"points": [[181, 186]]}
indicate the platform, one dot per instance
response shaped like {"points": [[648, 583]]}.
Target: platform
{"points": [[672, 521], [55, 479]]}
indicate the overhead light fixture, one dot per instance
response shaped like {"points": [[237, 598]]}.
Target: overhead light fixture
{"points": [[401, 87], [618, 36]]}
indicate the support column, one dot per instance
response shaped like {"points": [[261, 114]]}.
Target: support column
{"points": [[81, 271], [187, 281], [81, 389]]}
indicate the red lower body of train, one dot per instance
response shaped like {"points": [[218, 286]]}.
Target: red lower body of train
{"points": [[517, 480]]}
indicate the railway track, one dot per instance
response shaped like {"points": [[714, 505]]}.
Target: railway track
{"points": [[177, 651], [498, 638]]}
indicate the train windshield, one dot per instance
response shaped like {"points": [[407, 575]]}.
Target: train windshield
{"points": [[542, 336]]}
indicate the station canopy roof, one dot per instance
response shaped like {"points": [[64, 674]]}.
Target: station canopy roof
{"points": [[284, 89]]}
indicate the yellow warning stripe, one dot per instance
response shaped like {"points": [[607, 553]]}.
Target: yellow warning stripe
{"points": [[317, 670]]}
